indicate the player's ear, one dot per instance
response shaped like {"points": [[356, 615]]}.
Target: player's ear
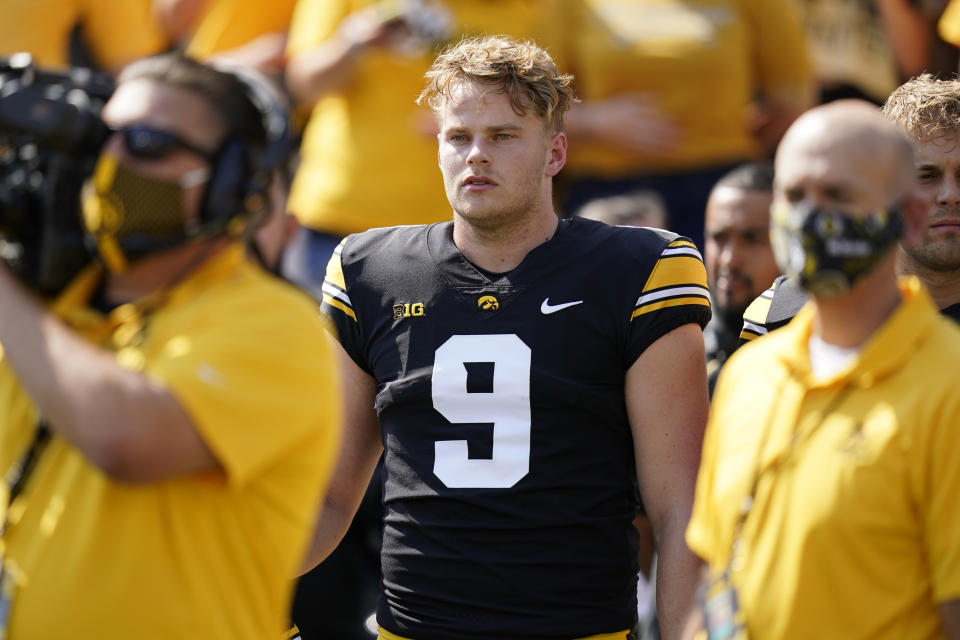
{"points": [[558, 154]]}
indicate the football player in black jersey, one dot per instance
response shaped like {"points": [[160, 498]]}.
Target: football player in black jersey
{"points": [[520, 374], [928, 110]]}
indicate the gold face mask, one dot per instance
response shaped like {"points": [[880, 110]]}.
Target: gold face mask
{"points": [[129, 215]]}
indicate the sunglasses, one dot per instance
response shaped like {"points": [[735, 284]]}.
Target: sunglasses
{"points": [[153, 144]]}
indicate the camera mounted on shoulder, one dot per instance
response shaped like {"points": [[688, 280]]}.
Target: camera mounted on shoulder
{"points": [[50, 137]]}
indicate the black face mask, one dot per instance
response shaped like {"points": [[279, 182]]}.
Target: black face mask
{"points": [[826, 251], [129, 215]]}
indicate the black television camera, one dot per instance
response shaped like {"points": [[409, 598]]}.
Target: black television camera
{"points": [[50, 137]]}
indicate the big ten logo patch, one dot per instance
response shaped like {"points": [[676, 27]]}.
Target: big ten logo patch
{"points": [[407, 310]]}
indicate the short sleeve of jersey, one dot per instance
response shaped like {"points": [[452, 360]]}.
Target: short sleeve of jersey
{"points": [[674, 294], [258, 383], [313, 22], [780, 51], [121, 32], [338, 307], [772, 309], [755, 317], [936, 481]]}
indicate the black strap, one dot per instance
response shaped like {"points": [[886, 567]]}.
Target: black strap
{"points": [[20, 473]]}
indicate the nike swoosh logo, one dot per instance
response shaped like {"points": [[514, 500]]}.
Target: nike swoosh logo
{"points": [[547, 308]]}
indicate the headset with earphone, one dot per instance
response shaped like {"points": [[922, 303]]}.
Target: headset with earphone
{"points": [[240, 176]]}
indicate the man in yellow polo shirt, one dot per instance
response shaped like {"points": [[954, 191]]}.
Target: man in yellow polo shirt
{"points": [[825, 503], [168, 425]]}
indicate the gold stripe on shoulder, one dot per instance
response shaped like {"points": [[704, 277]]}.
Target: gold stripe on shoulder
{"points": [[758, 310], [676, 271], [672, 302], [333, 302], [335, 269]]}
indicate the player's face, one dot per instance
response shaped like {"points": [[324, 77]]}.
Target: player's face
{"points": [[160, 107], [496, 164], [740, 262], [937, 247]]}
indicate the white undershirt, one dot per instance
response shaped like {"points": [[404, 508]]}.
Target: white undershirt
{"points": [[827, 360]]}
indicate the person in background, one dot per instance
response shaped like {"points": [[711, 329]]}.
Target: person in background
{"points": [[247, 32], [824, 503], [635, 209], [113, 34], [738, 255], [865, 48], [675, 93]]}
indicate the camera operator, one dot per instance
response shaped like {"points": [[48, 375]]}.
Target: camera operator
{"points": [[167, 425]]}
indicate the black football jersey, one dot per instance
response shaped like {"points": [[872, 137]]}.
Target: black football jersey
{"points": [[508, 460], [772, 309]]}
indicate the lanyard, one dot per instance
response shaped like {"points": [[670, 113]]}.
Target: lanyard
{"points": [[796, 438], [19, 474]]}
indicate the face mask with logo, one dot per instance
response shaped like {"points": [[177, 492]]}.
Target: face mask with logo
{"points": [[129, 215], [826, 251]]}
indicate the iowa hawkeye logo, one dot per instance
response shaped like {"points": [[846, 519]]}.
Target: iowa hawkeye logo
{"points": [[488, 303]]}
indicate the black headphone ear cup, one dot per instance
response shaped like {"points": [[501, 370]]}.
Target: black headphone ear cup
{"points": [[230, 175]]}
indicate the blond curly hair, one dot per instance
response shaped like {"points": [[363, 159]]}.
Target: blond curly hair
{"points": [[519, 68], [925, 107]]}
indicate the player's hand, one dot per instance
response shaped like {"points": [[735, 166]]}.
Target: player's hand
{"points": [[631, 122], [370, 27]]}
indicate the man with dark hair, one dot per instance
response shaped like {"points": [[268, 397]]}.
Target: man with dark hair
{"points": [[167, 424], [738, 256], [519, 374]]}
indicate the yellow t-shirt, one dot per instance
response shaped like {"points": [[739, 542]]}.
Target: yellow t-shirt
{"points": [[949, 24], [701, 62], [194, 556], [117, 31], [369, 153], [227, 24], [849, 44], [854, 531]]}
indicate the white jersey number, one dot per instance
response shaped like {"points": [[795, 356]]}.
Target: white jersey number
{"points": [[507, 407]]}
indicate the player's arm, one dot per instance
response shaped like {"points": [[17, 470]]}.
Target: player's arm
{"points": [[126, 424], [331, 65], [950, 619], [666, 396], [360, 449]]}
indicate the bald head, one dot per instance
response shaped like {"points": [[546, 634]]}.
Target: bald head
{"points": [[845, 155]]}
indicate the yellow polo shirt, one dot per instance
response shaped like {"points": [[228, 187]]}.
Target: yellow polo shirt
{"points": [[193, 556], [854, 530], [369, 152], [117, 31]]}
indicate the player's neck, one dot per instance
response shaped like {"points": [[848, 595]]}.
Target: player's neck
{"points": [[849, 320], [501, 248], [944, 285]]}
